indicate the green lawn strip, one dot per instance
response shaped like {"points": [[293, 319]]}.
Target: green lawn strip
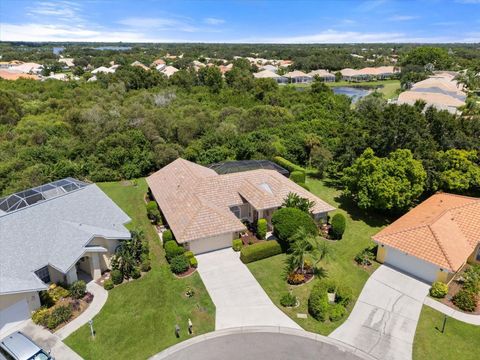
{"points": [[460, 340], [139, 317], [341, 266]]}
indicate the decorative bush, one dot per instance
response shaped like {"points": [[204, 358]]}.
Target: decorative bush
{"points": [[465, 300], [78, 289], [336, 312], [135, 274], [57, 292], [116, 276], [439, 289], [298, 177], [365, 257], [343, 295], [179, 264], [338, 225], [153, 213], [295, 279], [40, 316], [189, 254], [472, 278], [193, 262], [167, 235], [145, 265], [288, 300], [262, 229], [108, 284], [260, 251], [88, 298], [237, 244], [172, 250], [59, 315], [287, 221], [318, 305], [287, 164]]}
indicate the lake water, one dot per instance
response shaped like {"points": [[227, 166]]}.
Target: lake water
{"points": [[353, 92], [114, 48]]}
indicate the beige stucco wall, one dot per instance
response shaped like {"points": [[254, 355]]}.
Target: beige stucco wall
{"points": [[33, 300], [473, 257], [110, 245]]}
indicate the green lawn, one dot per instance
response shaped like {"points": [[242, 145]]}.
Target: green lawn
{"points": [[460, 340], [139, 317], [341, 265]]}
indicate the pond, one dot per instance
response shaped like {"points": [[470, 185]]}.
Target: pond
{"points": [[353, 92]]}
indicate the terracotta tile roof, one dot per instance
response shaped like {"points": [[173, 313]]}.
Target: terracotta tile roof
{"points": [[196, 200], [443, 230], [12, 75]]}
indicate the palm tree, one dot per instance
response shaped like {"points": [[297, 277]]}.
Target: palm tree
{"points": [[306, 247]]}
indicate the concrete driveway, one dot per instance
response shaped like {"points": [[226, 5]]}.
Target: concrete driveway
{"points": [[384, 319], [238, 297]]}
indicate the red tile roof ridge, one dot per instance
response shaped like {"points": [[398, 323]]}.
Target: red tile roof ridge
{"points": [[440, 245]]}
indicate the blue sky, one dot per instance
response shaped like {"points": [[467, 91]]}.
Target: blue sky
{"points": [[341, 21]]}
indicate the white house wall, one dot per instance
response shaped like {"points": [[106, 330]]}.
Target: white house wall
{"points": [[211, 243]]}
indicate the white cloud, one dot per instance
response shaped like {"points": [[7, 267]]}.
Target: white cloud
{"points": [[213, 21], [402, 18], [59, 11], [159, 23]]}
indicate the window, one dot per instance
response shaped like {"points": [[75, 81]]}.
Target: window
{"points": [[43, 274], [478, 253], [236, 211]]}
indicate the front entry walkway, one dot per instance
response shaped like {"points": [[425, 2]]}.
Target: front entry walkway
{"points": [[238, 297], [384, 319]]}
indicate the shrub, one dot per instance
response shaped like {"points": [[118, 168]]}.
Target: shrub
{"points": [[287, 221], [188, 254], [172, 250], [288, 300], [117, 277], [472, 278], [135, 274], [336, 312], [193, 262], [365, 257], [295, 279], [465, 300], [237, 244], [305, 186], [439, 289], [167, 235], [338, 225], [145, 265], [260, 251], [179, 264], [78, 289], [88, 298], [40, 316], [153, 213], [298, 177], [318, 305], [343, 295], [57, 292], [59, 314], [262, 228], [287, 164], [108, 284]]}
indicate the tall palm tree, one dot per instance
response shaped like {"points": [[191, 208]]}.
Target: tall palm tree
{"points": [[306, 246]]}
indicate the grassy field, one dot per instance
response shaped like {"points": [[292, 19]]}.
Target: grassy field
{"points": [[139, 317], [341, 265], [460, 340]]}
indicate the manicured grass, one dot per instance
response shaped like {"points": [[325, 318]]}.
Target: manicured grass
{"points": [[340, 267], [460, 340], [139, 317]]}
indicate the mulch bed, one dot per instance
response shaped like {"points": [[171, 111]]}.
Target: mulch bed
{"points": [[187, 273], [308, 277], [250, 238], [79, 307], [453, 288]]}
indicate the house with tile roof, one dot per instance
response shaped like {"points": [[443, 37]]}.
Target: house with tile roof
{"points": [[435, 239], [205, 210], [298, 77], [56, 232]]}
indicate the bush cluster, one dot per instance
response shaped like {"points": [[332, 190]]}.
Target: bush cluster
{"points": [[338, 223], [179, 264], [321, 309], [172, 249], [288, 164], [237, 244], [145, 265], [298, 177], [135, 274], [153, 213], [439, 289], [318, 305], [116, 276], [288, 300], [78, 289], [262, 229], [465, 300], [167, 236], [287, 221], [108, 284], [365, 257], [52, 317], [260, 251], [295, 279]]}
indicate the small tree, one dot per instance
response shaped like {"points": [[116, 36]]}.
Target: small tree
{"points": [[286, 223], [152, 212], [262, 228], [294, 200], [306, 246], [338, 225]]}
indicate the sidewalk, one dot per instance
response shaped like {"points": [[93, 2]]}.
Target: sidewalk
{"points": [[447, 310], [100, 296]]}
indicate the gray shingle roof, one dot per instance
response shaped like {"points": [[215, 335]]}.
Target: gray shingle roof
{"points": [[54, 232]]}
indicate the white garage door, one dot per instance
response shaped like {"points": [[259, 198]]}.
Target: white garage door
{"points": [[411, 265], [211, 243], [13, 315]]}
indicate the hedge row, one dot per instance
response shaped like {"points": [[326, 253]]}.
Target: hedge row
{"points": [[298, 177], [260, 251], [288, 164]]}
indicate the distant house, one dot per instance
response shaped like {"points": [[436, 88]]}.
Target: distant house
{"points": [[269, 67], [56, 232], [27, 68], [105, 70], [61, 77], [437, 100], [434, 240], [354, 75], [67, 61], [267, 74], [205, 210], [169, 71], [140, 65], [15, 75], [225, 68], [157, 62], [323, 75], [298, 77]]}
